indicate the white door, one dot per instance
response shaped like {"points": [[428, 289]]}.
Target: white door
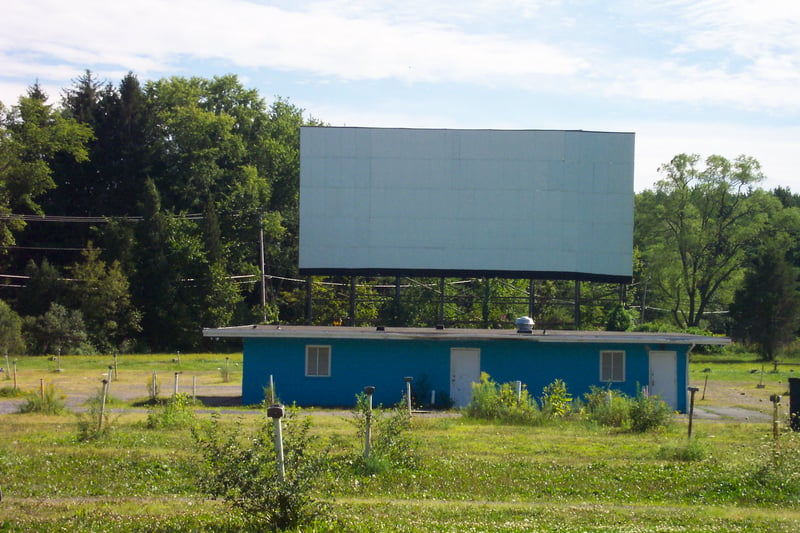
{"points": [[664, 376], [465, 369]]}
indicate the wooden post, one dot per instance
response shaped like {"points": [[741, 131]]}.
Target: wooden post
{"points": [[103, 405], [369, 391], [194, 388], [531, 297], [15, 375], [41, 389], [110, 373], [352, 301], [154, 386], [116, 371], [441, 301], [175, 389], [408, 380], [776, 400], [309, 306], [275, 412], [692, 391]]}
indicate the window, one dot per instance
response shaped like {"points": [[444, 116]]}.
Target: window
{"points": [[612, 366], [318, 361]]}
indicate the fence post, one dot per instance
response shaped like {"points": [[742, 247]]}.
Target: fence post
{"points": [[369, 391], [692, 391], [275, 412], [408, 380], [175, 388], [102, 405], [776, 400]]}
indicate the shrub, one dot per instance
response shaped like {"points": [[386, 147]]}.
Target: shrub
{"points": [[556, 401], [648, 413], [619, 319], [607, 407], [89, 425], [242, 470], [176, 412], [10, 392], [51, 402], [491, 401], [391, 445]]}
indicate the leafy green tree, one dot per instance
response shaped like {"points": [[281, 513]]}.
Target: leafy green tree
{"points": [[101, 292], [31, 134], [58, 330], [44, 286], [10, 330], [696, 228], [766, 309], [619, 319]]}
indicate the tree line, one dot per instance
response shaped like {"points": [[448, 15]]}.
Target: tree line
{"points": [[132, 215]]}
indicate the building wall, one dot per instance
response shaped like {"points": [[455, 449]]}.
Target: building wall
{"points": [[384, 363]]}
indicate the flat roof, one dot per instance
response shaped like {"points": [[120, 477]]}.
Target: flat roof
{"points": [[400, 333]]}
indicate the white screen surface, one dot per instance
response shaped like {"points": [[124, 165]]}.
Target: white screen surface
{"points": [[522, 203]]}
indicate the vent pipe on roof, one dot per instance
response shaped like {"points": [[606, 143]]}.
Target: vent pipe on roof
{"points": [[524, 324]]}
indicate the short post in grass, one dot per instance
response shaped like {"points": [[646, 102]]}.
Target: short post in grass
{"points": [[8, 367], [692, 391], [227, 376], [408, 380], [102, 405], [275, 412], [369, 391], [58, 359], [175, 388], [194, 389], [116, 370], [271, 392], [776, 400], [110, 375], [154, 387], [15, 375], [518, 385], [707, 371], [41, 389]]}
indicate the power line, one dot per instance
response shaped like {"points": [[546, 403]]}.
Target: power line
{"points": [[67, 219]]}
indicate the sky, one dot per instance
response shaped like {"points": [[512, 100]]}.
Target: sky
{"points": [[703, 76]]}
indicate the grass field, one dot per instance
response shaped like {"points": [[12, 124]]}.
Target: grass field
{"points": [[469, 475]]}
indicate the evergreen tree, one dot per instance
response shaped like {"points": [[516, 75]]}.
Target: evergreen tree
{"points": [[766, 309]]}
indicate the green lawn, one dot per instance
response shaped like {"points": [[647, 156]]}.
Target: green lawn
{"points": [[469, 475]]}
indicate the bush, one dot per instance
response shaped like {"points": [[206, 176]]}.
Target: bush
{"points": [[491, 401], [51, 402], [89, 426], [556, 401], [614, 409], [392, 445], [607, 407], [242, 470], [648, 413], [176, 412]]}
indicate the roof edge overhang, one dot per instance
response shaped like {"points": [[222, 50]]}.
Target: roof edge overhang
{"points": [[408, 334], [467, 273]]}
